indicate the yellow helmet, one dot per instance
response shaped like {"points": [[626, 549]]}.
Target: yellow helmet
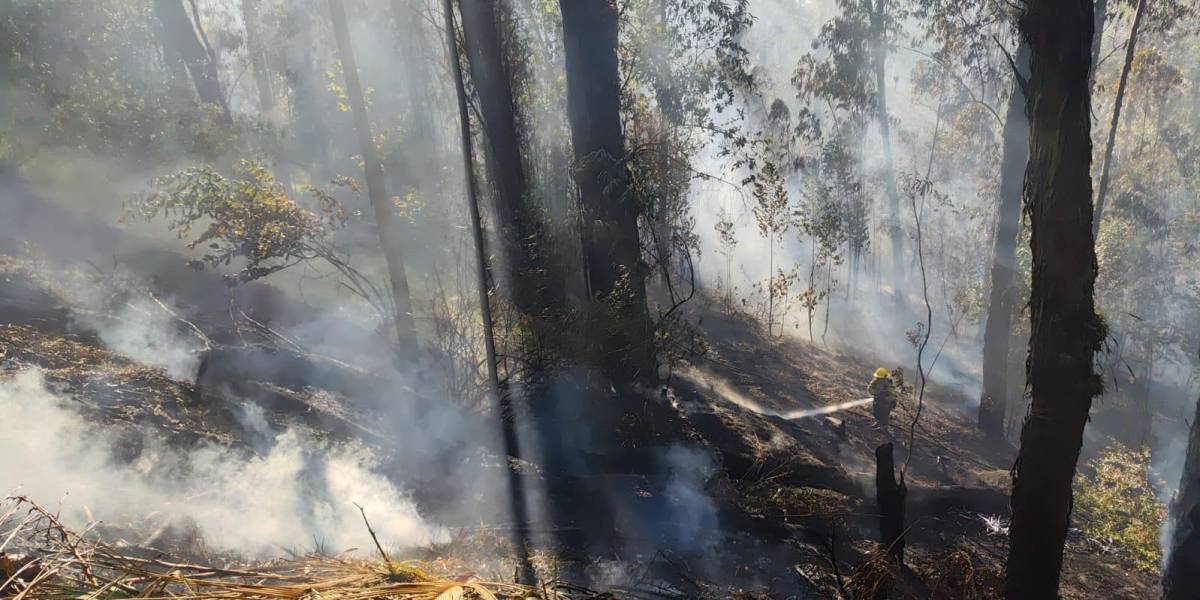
{"points": [[881, 373]]}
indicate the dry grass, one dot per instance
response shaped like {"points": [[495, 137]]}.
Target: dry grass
{"points": [[951, 575], [41, 558], [878, 575], [956, 575]]}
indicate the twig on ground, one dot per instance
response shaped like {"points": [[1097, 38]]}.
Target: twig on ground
{"points": [[387, 561]]}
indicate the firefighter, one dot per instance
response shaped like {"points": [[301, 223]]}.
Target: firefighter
{"points": [[883, 395]]}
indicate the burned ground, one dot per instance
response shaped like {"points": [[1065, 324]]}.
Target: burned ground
{"points": [[792, 499]]}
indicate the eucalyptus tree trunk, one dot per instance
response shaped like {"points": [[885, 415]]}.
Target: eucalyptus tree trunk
{"points": [[1066, 332], [385, 219], [524, 277], [506, 415], [1181, 577], [1101, 19], [406, 16], [879, 60], [1130, 51], [997, 333], [258, 59], [611, 248], [302, 73], [184, 42]]}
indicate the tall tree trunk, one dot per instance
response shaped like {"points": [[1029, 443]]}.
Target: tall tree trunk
{"points": [[523, 280], [1015, 383], [1181, 577], [181, 34], [1066, 332], [258, 60], [180, 82], [410, 32], [879, 60], [997, 332], [302, 72], [611, 247], [1130, 50], [1097, 39], [385, 219], [1142, 396], [505, 414]]}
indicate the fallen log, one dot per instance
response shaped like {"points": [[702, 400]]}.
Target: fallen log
{"points": [[943, 499], [238, 367]]}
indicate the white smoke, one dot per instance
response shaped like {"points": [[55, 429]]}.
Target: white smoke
{"points": [[146, 333], [693, 522], [295, 494]]}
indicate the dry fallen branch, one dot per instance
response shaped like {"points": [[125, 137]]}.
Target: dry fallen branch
{"points": [[45, 559]]}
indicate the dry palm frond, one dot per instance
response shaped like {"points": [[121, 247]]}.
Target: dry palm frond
{"points": [[41, 558]]}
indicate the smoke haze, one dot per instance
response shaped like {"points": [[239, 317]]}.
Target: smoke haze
{"points": [[296, 494]]}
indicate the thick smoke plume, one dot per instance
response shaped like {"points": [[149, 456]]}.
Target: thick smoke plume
{"points": [[296, 494]]}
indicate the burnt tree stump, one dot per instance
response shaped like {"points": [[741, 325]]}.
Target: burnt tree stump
{"points": [[890, 495]]}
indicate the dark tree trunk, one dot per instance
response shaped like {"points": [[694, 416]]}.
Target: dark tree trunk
{"points": [[879, 59], [611, 247], [997, 332], [890, 496], [1130, 49], [258, 60], [1181, 577], [1142, 396], [181, 35], [523, 280], [180, 82], [505, 414], [1066, 332], [385, 219]]}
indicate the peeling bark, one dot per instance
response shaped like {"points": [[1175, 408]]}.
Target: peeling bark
{"points": [[1066, 332]]}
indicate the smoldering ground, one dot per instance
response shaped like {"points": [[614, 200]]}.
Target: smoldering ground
{"points": [[297, 493]]}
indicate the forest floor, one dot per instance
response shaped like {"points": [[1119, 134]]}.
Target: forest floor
{"points": [[800, 491], [958, 479]]}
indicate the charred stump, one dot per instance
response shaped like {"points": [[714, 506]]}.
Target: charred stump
{"points": [[890, 495], [1181, 577]]}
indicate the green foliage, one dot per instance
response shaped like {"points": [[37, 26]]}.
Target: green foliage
{"points": [[1117, 503], [248, 216], [773, 214], [88, 76], [771, 204], [821, 220], [727, 239], [689, 55]]}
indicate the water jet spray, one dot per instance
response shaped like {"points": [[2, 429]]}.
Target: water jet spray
{"points": [[825, 410]]}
